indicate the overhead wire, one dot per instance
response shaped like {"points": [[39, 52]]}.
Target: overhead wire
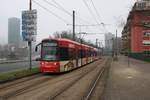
{"points": [[95, 9], [57, 7], [90, 11], [83, 20], [92, 14], [60, 8], [65, 21], [98, 15], [63, 9]]}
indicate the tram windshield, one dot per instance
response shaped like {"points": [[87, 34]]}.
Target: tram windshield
{"points": [[49, 51]]}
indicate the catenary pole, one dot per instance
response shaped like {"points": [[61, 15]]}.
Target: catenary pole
{"points": [[73, 25], [96, 43], [30, 42], [116, 44]]}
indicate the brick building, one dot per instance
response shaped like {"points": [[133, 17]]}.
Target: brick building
{"points": [[136, 32]]}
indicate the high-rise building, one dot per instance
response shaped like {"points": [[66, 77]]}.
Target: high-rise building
{"points": [[16, 46], [109, 39], [14, 31]]}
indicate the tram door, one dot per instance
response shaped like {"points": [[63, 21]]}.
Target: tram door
{"points": [[77, 62]]}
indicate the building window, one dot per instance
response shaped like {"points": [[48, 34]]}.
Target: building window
{"points": [[146, 33], [141, 5], [146, 42]]}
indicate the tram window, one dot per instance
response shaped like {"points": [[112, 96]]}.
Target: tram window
{"points": [[72, 53], [93, 54], [79, 55], [146, 33], [76, 53], [49, 53], [64, 54], [88, 53], [83, 53]]}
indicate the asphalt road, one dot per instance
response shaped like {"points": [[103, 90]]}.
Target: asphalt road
{"points": [[16, 66]]}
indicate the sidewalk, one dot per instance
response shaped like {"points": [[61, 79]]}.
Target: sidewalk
{"points": [[128, 82]]}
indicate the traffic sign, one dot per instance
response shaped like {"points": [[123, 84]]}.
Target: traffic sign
{"points": [[29, 25]]}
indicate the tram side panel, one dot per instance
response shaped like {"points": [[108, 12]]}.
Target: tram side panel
{"points": [[66, 56]]}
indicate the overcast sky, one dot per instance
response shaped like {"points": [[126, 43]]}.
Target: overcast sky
{"points": [[111, 13]]}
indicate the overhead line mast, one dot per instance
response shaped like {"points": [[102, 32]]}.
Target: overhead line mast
{"points": [[30, 5], [30, 41], [73, 25]]}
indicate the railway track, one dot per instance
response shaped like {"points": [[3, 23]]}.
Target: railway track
{"points": [[88, 96], [96, 81], [24, 89], [40, 83], [52, 97], [19, 81], [15, 89]]}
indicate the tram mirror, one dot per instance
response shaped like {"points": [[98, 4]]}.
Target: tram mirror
{"points": [[36, 48], [37, 59]]}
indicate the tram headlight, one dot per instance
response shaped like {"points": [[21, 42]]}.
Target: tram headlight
{"points": [[42, 63], [55, 63]]}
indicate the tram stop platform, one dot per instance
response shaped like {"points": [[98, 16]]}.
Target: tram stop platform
{"points": [[128, 79]]}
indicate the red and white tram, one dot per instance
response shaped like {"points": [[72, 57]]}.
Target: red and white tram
{"points": [[61, 55]]}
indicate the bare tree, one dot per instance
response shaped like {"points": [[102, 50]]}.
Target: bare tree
{"points": [[56, 35], [69, 35], [120, 22]]}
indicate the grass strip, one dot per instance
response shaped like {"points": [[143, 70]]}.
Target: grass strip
{"points": [[8, 76]]}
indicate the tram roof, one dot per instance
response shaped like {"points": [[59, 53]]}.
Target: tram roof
{"points": [[62, 40]]}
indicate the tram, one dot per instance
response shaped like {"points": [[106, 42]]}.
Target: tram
{"points": [[61, 55]]}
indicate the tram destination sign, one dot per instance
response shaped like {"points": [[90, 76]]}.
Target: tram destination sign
{"points": [[29, 25], [49, 44]]}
